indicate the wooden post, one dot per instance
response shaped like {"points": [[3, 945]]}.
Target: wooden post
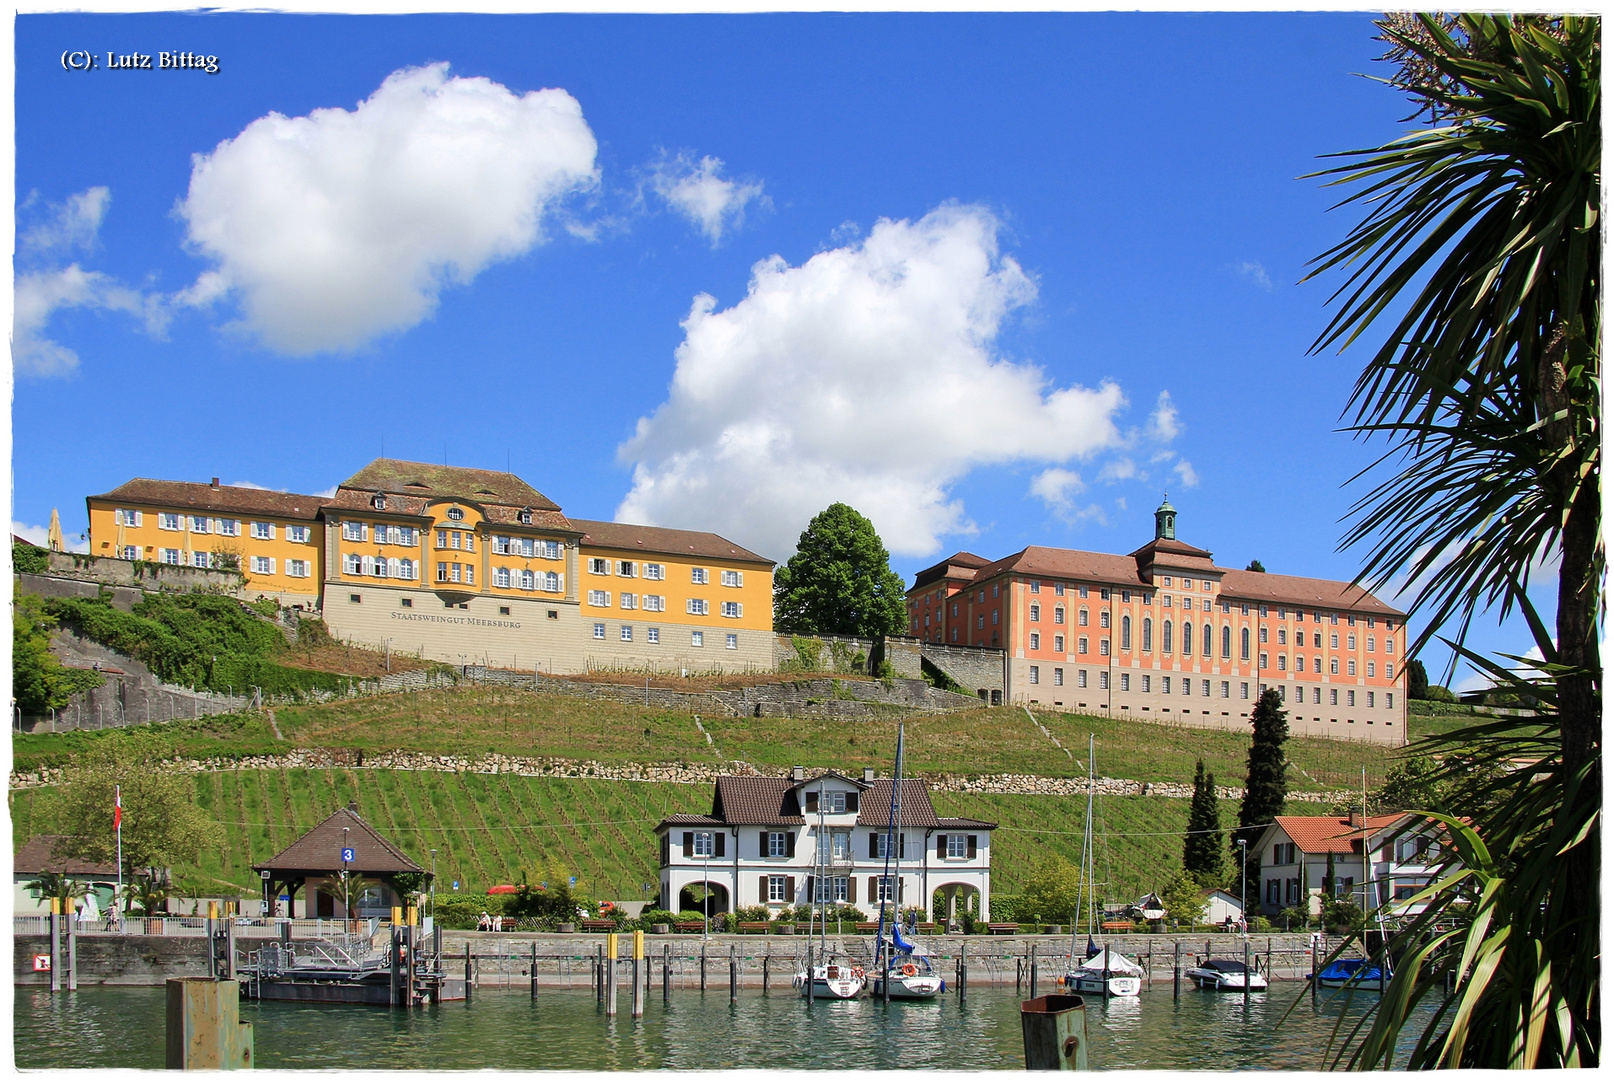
{"points": [[55, 944], [767, 959], [638, 984], [229, 944], [1019, 972], [204, 1028], [1314, 974], [411, 946], [1033, 992], [610, 974], [1176, 970], [72, 945], [1148, 968], [666, 974], [703, 967], [599, 974], [1246, 971], [534, 969], [396, 981], [468, 977], [809, 974], [734, 976], [963, 971]]}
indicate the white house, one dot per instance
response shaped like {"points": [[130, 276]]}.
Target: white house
{"points": [[760, 845], [1221, 907], [1294, 855]]}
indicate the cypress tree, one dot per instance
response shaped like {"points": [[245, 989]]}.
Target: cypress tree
{"points": [[1202, 849], [1417, 681], [1266, 786]]}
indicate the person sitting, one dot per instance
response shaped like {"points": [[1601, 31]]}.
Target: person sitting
{"points": [[485, 922]]}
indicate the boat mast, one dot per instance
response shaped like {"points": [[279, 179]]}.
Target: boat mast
{"points": [[1092, 885], [890, 851]]}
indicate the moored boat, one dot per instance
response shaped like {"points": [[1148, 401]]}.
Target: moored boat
{"points": [[1353, 972], [835, 979], [1107, 972], [1226, 975]]}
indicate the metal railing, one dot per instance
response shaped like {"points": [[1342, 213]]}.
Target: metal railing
{"points": [[196, 926]]}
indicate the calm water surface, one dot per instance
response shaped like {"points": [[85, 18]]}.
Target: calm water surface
{"points": [[566, 1029]]}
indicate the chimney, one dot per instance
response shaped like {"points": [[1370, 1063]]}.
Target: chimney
{"points": [[1357, 820], [353, 807], [868, 775], [215, 484], [798, 773]]}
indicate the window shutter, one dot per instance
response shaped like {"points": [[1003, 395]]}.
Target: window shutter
{"points": [[689, 845], [874, 888], [851, 802], [874, 845], [812, 802], [717, 842], [762, 889], [790, 844], [762, 850], [139, 518], [902, 844], [941, 846], [812, 895], [971, 846], [899, 889], [851, 890], [790, 888]]}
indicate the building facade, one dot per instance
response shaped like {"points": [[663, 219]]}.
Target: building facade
{"points": [[464, 566], [1166, 634], [784, 841], [1297, 854]]}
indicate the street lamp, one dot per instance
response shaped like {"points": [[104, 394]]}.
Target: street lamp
{"points": [[1244, 885]]}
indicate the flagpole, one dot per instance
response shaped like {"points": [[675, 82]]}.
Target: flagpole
{"points": [[117, 821]]}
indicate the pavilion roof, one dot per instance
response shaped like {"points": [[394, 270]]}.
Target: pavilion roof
{"points": [[319, 850]]}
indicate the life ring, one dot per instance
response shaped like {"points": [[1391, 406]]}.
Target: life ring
{"points": [[910, 969], [858, 972], [1059, 981]]}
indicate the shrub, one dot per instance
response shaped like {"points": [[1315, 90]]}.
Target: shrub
{"points": [[651, 916], [1295, 917], [28, 559], [691, 916], [1343, 916], [1440, 693], [753, 913]]}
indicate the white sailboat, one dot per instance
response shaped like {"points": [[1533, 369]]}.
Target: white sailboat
{"points": [[832, 976], [901, 971], [1103, 971]]}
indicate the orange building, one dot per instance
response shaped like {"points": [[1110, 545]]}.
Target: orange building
{"points": [[1166, 634]]}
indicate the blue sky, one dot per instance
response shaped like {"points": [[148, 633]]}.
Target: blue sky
{"points": [[995, 280]]}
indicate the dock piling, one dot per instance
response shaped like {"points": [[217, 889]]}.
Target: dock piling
{"points": [[55, 944], [394, 981], [666, 974], [599, 974], [638, 983], [1033, 992], [469, 979], [72, 945], [1314, 974], [734, 976], [534, 969], [963, 971], [411, 943], [767, 960], [809, 974], [703, 967], [610, 974], [1246, 971], [1176, 970]]}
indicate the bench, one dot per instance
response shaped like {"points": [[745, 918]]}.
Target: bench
{"points": [[753, 927], [1122, 926], [1003, 928], [691, 926], [596, 926]]}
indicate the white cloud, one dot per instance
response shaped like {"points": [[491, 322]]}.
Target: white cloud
{"points": [[40, 294], [1183, 469], [1119, 469], [73, 223], [337, 227], [837, 380], [1163, 425], [39, 535], [1256, 273], [1057, 488], [697, 190]]}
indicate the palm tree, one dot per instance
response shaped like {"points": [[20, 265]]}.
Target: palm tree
{"points": [[1486, 391], [52, 886], [148, 894]]}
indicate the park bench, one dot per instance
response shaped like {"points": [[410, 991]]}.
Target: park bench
{"points": [[754, 927], [1122, 926], [596, 926], [690, 926], [1003, 928]]}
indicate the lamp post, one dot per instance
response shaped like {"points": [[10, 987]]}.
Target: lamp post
{"points": [[1244, 885]]}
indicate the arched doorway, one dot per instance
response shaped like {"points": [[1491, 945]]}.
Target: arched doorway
{"points": [[710, 897], [950, 901]]}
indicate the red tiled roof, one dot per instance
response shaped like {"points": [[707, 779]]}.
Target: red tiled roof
{"points": [[960, 564], [705, 545], [319, 850], [38, 856], [185, 496], [756, 800], [874, 808], [1282, 589], [480, 486], [1065, 563], [1319, 835]]}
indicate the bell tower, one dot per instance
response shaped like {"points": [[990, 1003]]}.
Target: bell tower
{"points": [[1165, 520]]}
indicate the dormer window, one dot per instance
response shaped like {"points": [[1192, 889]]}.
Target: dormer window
{"points": [[456, 514], [379, 501], [525, 517]]}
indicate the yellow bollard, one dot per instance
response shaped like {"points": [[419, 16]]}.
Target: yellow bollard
{"points": [[638, 944], [397, 915], [414, 915], [212, 909], [610, 946]]}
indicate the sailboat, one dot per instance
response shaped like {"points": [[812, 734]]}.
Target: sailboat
{"points": [[831, 977], [901, 971], [1102, 970]]}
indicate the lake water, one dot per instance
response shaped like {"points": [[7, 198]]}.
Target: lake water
{"points": [[566, 1029]]}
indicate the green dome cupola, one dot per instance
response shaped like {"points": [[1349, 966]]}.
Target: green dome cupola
{"points": [[1165, 520]]}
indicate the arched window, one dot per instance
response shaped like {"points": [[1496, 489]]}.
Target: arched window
{"points": [[1081, 616], [501, 577], [1207, 649], [1126, 632], [1244, 643], [551, 581], [526, 579], [1227, 643], [1165, 636], [1148, 635]]}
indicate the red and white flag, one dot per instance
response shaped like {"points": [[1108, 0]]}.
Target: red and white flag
{"points": [[117, 808]]}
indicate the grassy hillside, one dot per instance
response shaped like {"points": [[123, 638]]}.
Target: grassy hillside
{"points": [[476, 720], [486, 828]]}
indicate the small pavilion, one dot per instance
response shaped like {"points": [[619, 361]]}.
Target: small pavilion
{"points": [[313, 866]]}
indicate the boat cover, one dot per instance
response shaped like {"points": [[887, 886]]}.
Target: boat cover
{"points": [[1119, 965]]}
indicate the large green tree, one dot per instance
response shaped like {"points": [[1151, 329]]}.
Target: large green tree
{"points": [[1266, 782], [1202, 847], [1480, 245], [839, 581]]}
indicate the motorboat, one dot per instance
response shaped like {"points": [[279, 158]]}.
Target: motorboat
{"points": [[1226, 975], [1106, 972], [1354, 973], [836, 979]]}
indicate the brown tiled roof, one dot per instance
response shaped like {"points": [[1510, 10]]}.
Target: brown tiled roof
{"points": [[1174, 553], [619, 537], [38, 856], [874, 808], [756, 800], [358, 501], [964, 823], [1319, 835], [960, 564], [185, 496], [1282, 589], [1068, 563], [688, 819], [481, 486], [319, 850]]}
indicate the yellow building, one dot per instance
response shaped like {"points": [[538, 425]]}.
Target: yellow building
{"points": [[474, 566], [274, 538]]}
